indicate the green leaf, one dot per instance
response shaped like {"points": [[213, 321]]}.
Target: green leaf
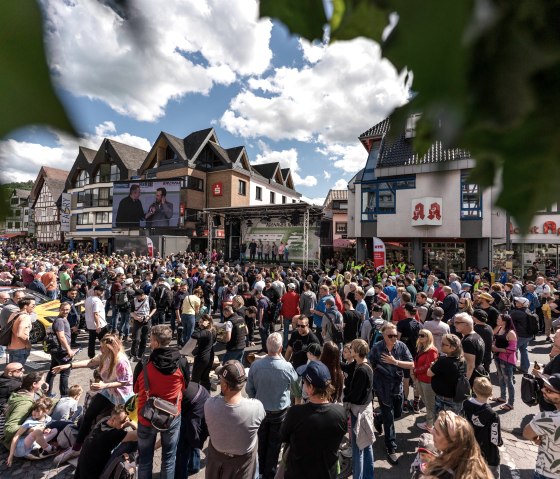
{"points": [[28, 97], [358, 18], [302, 17]]}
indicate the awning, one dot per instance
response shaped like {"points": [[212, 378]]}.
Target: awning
{"points": [[344, 243], [6, 236]]}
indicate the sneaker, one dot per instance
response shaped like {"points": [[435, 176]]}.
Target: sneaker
{"points": [[51, 452], [34, 455], [425, 427], [392, 458], [65, 456], [416, 405]]}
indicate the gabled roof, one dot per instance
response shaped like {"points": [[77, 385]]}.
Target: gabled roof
{"points": [[219, 151], [285, 172], [401, 152], [195, 141], [176, 144], [234, 153], [88, 153], [23, 194], [54, 178], [335, 195], [131, 157], [268, 170]]}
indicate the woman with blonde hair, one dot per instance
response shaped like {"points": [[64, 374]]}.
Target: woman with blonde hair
{"points": [[114, 388], [426, 354], [466, 306], [460, 456]]}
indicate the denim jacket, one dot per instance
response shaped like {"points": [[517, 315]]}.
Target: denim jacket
{"points": [[387, 378]]}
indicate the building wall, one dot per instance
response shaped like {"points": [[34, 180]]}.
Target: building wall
{"points": [[47, 223], [267, 188]]}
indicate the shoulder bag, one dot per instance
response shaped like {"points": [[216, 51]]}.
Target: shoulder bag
{"points": [[159, 412]]}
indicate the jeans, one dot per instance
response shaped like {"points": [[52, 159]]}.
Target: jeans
{"points": [[235, 354], [139, 338], [114, 319], [287, 323], [19, 355], [52, 294], [522, 344], [388, 415], [264, 332], [93, 335], [429, 397], [159, 317], [505, 378], [146, 442], [187, 462], [444, 404], [64, 375], [188, 322], [362, 459], [270, 443], [124, 324]]}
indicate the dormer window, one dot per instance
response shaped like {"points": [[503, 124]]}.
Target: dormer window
{"points": [[107, 173], [82, 179]]}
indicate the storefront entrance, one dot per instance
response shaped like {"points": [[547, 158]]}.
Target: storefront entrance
{"points": [[522, 256], [445, 256]]}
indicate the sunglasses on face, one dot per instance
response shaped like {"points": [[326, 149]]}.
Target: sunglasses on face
{"points": [[392, 336], [422, 335], [301, 325]]}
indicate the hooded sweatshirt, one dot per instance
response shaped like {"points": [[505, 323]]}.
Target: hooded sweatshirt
{"points": [[8, 385], [168, 375], [19, 407]]}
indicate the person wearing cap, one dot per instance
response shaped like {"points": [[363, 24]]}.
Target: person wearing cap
{"points": [[314, 430], [520, 316], [271, 380], [383, 301], [96, 323], [485, 301], [465, 291], [480, 319], [543, 431], [233, 422]]}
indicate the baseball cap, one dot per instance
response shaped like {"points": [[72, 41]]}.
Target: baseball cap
{"points": [[128, 281], [315, 373], [232, 372], [314, 349], [520, 299], [383, 297], [552, 381], [291, 286]]}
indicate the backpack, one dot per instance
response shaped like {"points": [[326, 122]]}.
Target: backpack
{"points": [[532, 323], [530, 390], [50, 343], [375, 334], [121, 298], [122, 466], [6, 333], [430, 305], [337, 328], [503, 303], [67, 437], [163, 297], [463, 388]]}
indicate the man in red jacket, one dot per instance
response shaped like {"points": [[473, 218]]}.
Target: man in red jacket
{"points": [[290, 308], [168, 375]]}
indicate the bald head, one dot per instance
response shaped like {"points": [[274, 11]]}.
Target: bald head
{"points": [[14, 370]]}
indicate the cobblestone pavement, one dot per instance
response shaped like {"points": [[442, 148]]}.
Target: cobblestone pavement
{"points": [[518, 456]]}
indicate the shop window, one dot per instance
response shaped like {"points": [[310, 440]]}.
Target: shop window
{"points": [[258, 193], [341, 228], [379, 197], [471, 199]]}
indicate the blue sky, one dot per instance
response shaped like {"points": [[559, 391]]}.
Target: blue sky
{"points": [[215, 64]]}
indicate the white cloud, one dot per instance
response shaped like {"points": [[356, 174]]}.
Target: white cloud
{"points": [[348, 157], [348, 89], [326, 175], [187, 47], [22, 160], [287, 159], [340, 184], [313, 201], [312, 52]]}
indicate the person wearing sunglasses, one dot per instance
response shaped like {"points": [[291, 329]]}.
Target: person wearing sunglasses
{"points": [[299, 341], [425, 356], [543, 430], [10, 381], [389, 358]]}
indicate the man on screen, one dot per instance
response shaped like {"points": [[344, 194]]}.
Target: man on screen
{"points": [[130, 210], [160, 212]]}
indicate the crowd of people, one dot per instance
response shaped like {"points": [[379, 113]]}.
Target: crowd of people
{"points": [[344, 353]]}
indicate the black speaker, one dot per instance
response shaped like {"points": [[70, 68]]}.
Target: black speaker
{"points": [[295, 218], [217, 220], [199, 229], [325, 231]]}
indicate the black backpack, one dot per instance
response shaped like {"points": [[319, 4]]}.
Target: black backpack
{"points": [[503, 303], [530, 390], [532, 323], [337, 329], [6, 333], [463, 388]]}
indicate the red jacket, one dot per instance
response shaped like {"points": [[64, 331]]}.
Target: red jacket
{"points": [[163, 386], [290, 304], [422, 363]]}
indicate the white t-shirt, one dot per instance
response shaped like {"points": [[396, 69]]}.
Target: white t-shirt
{"points": [[546, 425], [94, 305], [438, 329]]}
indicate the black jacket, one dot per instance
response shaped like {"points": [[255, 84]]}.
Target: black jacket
{"points": [[7, 386], [521, 322], [486, 424]]}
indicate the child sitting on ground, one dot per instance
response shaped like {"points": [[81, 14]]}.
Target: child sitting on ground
{"points": [[486, 424], [32, 438], [67, 408]]}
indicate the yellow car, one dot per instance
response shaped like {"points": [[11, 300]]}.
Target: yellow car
{"points": [[46, 310]]}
